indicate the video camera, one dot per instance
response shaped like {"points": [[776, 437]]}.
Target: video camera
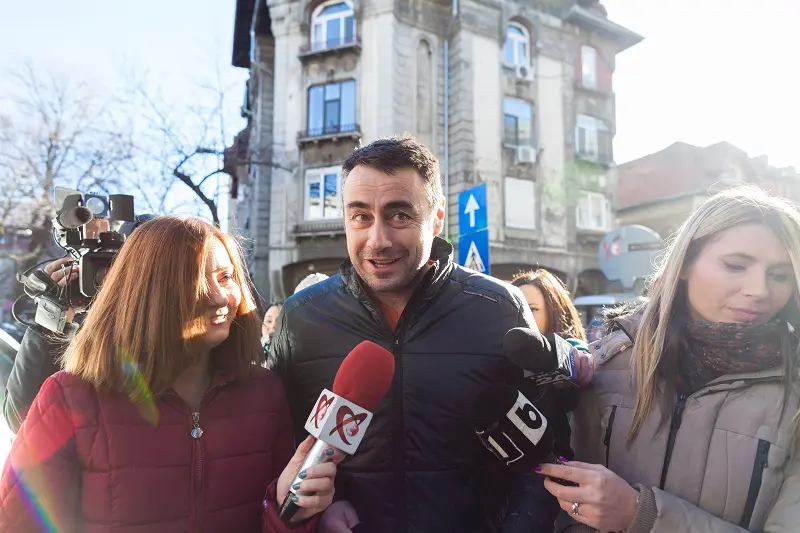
{"points": [[92, 228]]}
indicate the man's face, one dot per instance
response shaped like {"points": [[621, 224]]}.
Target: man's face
{"points": [[390, 226]]}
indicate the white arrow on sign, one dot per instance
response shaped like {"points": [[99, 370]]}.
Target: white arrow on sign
{"points": [[472, 206], [474, 260]]}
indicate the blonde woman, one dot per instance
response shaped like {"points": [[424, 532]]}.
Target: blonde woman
{"points": [[690, 424]]}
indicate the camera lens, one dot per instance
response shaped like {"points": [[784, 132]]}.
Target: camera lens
{"points": [[96, 205]]}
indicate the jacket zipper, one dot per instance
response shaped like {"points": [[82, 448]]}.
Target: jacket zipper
{"points": [[197, 434], [399, 444], [607, 437], [677, 416], [762, 456]]}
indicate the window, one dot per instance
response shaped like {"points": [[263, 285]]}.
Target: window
{"points": [[589, 67], [516, 47], [593, 212], [592, 139], [520, 203], [517, 122], [332, 108], [332, 25], [322, 193]]}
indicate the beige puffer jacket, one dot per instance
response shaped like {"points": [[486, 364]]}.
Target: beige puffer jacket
{"points": [[730, 469]]}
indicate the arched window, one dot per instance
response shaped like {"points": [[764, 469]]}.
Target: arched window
{"points": [[332, 25], [516, 50]]}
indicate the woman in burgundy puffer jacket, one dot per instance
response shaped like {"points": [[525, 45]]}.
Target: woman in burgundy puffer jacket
{"points": [[160, 421]]}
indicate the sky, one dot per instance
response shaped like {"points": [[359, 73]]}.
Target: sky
{"points": [[707, 71]]}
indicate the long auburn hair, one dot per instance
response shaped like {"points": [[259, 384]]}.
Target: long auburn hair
{"points": [[146, 315], [658, 340], [562, 317]]}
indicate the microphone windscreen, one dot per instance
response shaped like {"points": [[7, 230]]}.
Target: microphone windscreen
{"points": [[365, 375], [75, 217], [529, 350]]}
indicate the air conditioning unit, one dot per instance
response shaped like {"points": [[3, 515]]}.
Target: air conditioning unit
{"points": [[526, 154], [525, 72]]}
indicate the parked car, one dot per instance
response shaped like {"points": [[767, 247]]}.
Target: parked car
{"points": [[591, 309]]}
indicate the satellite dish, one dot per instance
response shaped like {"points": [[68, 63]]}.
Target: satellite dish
{"points": [[627, 254]]}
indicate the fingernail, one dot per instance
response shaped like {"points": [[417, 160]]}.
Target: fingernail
{"points": [[538, 468], [329, 452], [302, 475], [296, 486], [563, 459], [295, 498]]}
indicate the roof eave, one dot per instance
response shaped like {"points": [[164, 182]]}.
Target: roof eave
{"points": [[622, 36]]}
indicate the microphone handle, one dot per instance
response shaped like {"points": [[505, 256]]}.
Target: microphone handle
{"points": [[315, 456]]}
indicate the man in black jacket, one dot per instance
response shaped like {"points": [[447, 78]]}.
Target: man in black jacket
{"points": [[420, 467]]}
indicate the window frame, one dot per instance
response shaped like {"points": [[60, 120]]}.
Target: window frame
{"points": [[341, 127], [524, 40], [585, 200], [323, 41], [318, 175], [531, 119], [589, 66], [592, 127]]}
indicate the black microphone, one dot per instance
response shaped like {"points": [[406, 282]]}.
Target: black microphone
{"points": [[547, 359], [517, 433], [511, 427], [74, 217]]}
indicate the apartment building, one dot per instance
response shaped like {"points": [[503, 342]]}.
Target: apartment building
{"points": [[514, 94]]}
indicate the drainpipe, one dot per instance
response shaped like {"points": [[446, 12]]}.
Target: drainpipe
{"points": [[446, 165]]}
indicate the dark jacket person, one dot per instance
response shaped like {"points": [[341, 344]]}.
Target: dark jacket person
{"points": [[420, 467]]}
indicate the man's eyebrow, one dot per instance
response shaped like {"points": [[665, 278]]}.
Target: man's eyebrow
{"points": [[356, 204], [393, 204], [399, 204]]}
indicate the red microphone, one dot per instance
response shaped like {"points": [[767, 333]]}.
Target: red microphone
{"points": [[340, 418]]}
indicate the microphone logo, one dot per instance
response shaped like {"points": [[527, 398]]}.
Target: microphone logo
{"points": [[322, 409], [346, 417]]}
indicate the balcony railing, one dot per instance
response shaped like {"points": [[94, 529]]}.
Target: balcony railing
{"points": [[330, 132], [330, 45]]}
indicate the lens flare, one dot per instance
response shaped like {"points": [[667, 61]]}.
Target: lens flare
{"points": [[146, 404]]}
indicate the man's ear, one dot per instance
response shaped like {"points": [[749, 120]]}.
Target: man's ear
{"points": [[438, 218]]}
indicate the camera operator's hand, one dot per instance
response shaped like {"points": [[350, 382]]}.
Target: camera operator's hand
{"points": [[63, 271], [60, 269]]}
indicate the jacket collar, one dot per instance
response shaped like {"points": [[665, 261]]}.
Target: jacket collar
{"points": [[441, 266]]}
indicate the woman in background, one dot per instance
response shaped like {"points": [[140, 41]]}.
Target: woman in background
{"points": [[161, 421], [551, 305]]}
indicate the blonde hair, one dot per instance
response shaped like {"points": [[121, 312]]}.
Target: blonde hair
{"points": [[739, 205], [144, 318]]}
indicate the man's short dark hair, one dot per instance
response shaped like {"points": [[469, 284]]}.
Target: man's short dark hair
{"points": [[397, 153]]}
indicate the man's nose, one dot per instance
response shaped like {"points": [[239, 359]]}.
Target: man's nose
{"points": [[379, 236]]}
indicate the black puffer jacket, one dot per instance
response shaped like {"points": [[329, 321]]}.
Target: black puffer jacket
{"points": [[420, 467], [36, 360]]}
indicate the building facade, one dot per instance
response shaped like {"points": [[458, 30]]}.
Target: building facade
{"points": [[662, 189], [514, 94]]}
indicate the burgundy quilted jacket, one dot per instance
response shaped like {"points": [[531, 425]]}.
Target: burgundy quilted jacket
{"points": [[93, 462]]}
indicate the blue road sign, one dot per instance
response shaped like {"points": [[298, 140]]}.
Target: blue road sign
{"points": [[472, 210], [473, 251]]}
